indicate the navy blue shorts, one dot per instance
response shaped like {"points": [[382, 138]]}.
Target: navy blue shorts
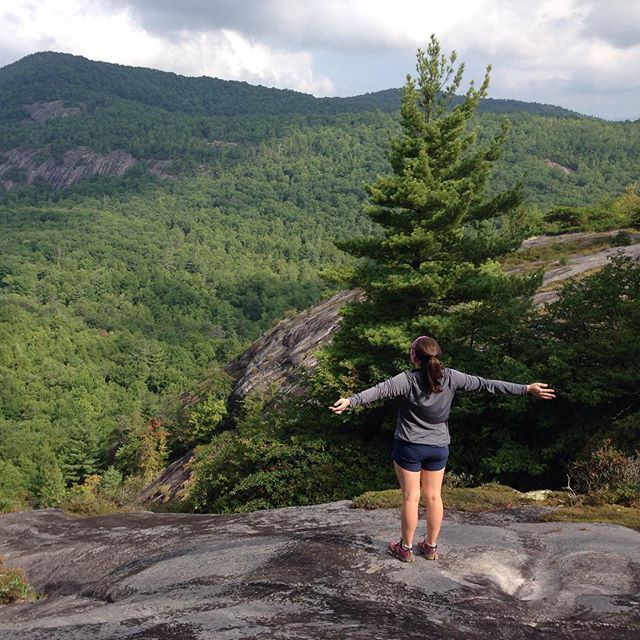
{"points": [[414, 457]]}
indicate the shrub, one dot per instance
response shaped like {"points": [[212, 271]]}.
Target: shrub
{"points": [[13, 488], [607, 475], [13, 585], [238, 473], [99, 495]]}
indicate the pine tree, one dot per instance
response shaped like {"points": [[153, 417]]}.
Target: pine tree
{"points": [[432, 269]]}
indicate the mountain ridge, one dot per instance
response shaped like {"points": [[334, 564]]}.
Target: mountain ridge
{"points": [[194, 95]]}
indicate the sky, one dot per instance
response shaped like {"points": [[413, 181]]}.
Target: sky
{"points": [[579, 54]]}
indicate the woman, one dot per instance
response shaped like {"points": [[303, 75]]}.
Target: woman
{"points": [[421, 439]]}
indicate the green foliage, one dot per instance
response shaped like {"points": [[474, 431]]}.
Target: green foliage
{"points": [[586, 346], [111, 482], [13, 488], [589, 337], [13, 585], [273, 458], [110, 307], [143, 451], [607, 476], [104, 494], [206, 416], [612, 213]]}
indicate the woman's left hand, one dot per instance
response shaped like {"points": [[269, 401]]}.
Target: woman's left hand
{"points": [[340, 405], [541, 390]]}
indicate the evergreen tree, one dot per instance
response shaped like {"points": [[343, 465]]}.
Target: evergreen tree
{"points": [[432, 269]]}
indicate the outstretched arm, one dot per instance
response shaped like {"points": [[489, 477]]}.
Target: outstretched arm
{"points": [[465, 382], [390, 388]]}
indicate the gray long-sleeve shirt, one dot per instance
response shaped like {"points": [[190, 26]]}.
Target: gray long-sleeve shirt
{"points": [[423, 418]]}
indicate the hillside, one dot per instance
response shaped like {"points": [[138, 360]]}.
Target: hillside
{"points": [[46, 77], [65, 119], [153, 226]]}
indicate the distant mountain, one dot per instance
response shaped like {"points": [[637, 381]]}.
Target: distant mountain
{"points": [[47, 77], [67, 122]]}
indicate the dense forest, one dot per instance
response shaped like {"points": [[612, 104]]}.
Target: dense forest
{"points": [[118, 293]]}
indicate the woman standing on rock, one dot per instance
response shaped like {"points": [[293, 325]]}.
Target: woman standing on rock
{"points": [[421, 439]]}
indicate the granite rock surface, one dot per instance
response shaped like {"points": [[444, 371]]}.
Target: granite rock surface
{"points": [[318, 572]]}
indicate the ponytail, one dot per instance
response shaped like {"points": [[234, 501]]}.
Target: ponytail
{"points": [[427, 351]]}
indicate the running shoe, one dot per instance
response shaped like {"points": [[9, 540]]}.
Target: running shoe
{"points": [[396, 550], [429, 551]]}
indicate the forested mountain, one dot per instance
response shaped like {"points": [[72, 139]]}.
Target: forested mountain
{"points": [[65, 120], [48, 76], [153, 225]]}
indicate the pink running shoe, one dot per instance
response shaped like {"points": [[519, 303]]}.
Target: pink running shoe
{"points": [[396, 550], [429, 551]]}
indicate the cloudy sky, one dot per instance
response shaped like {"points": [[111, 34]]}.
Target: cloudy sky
{"points": [[580, 54]]}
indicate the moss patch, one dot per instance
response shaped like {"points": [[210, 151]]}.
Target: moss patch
{"points": [[610, 513], [486, 497]]}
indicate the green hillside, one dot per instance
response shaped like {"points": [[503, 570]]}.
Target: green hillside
{"points": [[56, 76], [118, 293]]}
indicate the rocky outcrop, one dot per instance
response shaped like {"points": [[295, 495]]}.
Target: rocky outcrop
{"points": [[280, 357], [318, 572], [43, 111], [554, 165], [28, 166], [163, 169], [558, 272]]}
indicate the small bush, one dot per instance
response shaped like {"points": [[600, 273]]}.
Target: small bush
{"points": [[621, 239], [13, 585], [100, 495], [452, 479], [608, 476]]}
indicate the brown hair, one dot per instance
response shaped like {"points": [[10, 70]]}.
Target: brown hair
{"points": [[427, 351]]}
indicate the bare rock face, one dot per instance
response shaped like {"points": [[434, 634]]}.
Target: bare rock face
{"points": [[557, 273], [280, 356], [38, 165], [318, 572], [43, 111]]}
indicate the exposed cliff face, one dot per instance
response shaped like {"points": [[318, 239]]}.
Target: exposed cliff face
{"points": [[557, 273], [28, 166], [43, 111], [318, 572], [280, 356]]}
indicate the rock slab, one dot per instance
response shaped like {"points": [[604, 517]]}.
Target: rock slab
{"points": [[318, 572]]}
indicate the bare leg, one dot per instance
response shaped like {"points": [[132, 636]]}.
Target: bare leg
{"points": [[410, 488], [431, 491]]}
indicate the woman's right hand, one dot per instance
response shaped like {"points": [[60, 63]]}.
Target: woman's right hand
{"points": [[541, 390], [340, 405]]}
